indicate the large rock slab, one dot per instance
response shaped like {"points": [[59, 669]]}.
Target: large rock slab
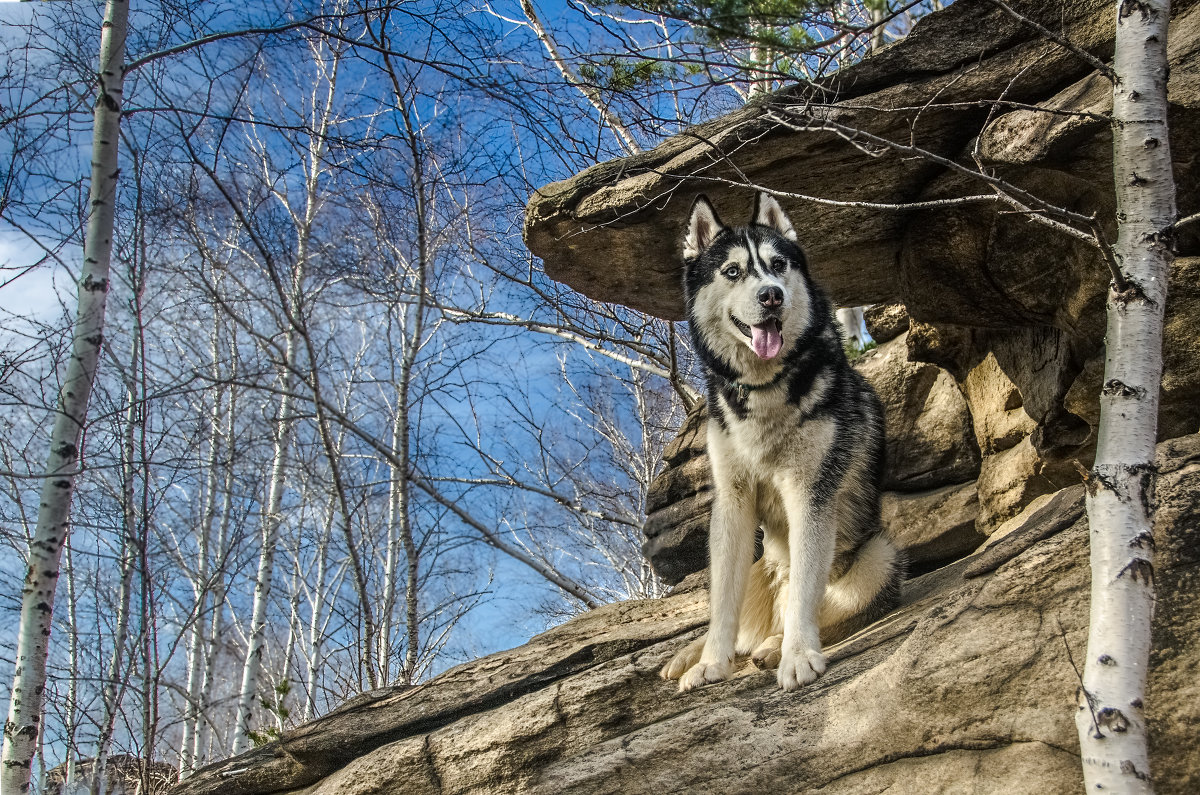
{"points": [[885, 322], [930, 440], [1010, 480], [679, 504], [968, 687], [933, 527], [927, 88], [633, 209]]}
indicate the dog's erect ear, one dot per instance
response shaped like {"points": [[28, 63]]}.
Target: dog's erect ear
{"points": [[767, 212], [703, 227]]}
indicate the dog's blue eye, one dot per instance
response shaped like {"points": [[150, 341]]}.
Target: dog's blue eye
{"points": [[733, 271]]}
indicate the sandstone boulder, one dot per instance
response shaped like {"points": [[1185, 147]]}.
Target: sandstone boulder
{"points": [[1011, 480], [968, 687], [933, 527], [679, 504], [930, 441], [885, 322], [997, 407]]}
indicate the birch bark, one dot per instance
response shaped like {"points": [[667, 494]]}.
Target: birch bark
{"points": [[316, 619], [1111, 714], [272, 519], [201, 586], [23, 727], [113, 691], [607, 115]]}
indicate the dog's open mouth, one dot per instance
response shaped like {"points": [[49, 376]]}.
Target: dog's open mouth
{"points": [[766, 338]]}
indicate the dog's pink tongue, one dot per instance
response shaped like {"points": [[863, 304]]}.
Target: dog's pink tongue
{"points": [[766, 340]]}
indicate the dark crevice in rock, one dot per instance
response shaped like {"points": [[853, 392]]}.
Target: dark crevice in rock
{"points": [[1063, 510], [435, 777], [975, 746]]}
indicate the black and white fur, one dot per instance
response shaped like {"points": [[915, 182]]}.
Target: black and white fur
{"points": [[796, 442]]}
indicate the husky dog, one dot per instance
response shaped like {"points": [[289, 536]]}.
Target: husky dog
{"points": [[795, 438]]}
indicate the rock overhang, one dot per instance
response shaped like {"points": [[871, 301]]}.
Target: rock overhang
{"points": [[612, 231]]}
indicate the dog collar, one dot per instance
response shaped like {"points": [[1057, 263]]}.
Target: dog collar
{"points": [[744, 390]]}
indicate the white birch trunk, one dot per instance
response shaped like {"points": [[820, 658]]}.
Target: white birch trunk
{"points": [[203, 731], [388, 589], [290, 306], [412, 337], [878, 15], [220, 445], [1111, 716], [203, 721], [113, 690], [851, 321], [23, 727], [73, 658], [316, 627], [272, 519], [412, 619], [201, 585]]}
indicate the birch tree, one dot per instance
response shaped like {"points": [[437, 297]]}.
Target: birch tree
{"points": [[21, 730], [1111, 717]]}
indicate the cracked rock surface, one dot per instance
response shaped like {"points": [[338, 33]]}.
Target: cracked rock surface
{"points": [[968, 687]]}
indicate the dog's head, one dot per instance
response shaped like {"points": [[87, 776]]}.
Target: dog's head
{"points": [[747, 287]]}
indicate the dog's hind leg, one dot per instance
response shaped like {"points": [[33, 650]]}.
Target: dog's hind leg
{"points": [[865, 592], [760, 618], [768, 653]]}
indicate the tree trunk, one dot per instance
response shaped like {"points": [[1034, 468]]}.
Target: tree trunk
{"points": [[201, 586], [316, 628], [1111, 717], [73, 660], [21, 732], [202, 732], [113, 690], [272, 519], [878, 16]]}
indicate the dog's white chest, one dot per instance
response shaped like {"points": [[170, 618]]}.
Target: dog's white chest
{"points": [[773, 438]]}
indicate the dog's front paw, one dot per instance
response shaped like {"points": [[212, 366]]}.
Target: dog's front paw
{"points": [[799, 667], [703, 673], [684, 659]]}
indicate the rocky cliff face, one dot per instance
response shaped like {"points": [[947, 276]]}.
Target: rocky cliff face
{"points": [[1010, 310], [968, 687]]}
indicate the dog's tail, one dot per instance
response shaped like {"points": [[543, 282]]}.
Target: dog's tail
{"points": [[868, 590]]}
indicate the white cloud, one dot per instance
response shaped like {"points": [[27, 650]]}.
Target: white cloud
{"points": [[35, 294]]}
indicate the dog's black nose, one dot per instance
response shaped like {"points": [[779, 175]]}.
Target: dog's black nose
{"points": [[771, 297]]}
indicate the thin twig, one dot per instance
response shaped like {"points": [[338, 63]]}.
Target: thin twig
{"points": [[1074, 49], [1188, 220], [1078, 675]]}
